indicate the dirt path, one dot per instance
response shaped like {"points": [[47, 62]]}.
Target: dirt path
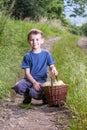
{"points": [[40, 117], [83, 43]]}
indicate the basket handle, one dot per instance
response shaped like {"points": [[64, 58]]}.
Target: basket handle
{"points": [[51, 81], [53, 78]]}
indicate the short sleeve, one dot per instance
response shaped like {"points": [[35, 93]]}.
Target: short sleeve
{"points": [[25, 62], [50, 59]]}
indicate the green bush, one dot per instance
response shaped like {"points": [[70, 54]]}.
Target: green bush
{"points": [[84, 29], [74, 29]]}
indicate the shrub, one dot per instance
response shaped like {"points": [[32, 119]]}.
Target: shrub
{"points": [[84, 29]]}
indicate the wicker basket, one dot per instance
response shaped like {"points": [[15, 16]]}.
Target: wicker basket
{"points": [[55, 95]]}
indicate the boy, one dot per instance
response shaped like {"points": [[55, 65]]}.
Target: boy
{"points": [[35, 64]]}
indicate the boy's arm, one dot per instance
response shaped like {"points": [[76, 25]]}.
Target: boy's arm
{"points": [[53, 70], [36, 84]]}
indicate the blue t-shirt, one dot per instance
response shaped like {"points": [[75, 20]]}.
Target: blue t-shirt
{"points": [[38, 62]]}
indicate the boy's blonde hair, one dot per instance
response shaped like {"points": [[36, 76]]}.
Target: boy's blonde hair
{"points": [[34, 31]]}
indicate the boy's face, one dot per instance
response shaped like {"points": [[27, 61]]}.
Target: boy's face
{"points": [[35, 41]]}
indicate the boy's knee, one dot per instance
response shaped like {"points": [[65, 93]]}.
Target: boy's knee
{"points": [[19, 88], [36, 94]]}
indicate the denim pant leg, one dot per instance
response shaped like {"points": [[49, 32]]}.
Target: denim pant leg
{"points": [[36, 94], [23, 85]]}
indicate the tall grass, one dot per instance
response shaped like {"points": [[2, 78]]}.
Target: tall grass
{"points": [[71, 62], [2, 25], [13, 46]]}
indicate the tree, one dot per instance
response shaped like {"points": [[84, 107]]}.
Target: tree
{"points": [[55, 9], [51, 8], [35, 9], [84, 29], [76, 7], [29, 8]]}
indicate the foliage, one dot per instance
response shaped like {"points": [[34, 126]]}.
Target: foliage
{"points": [[74, 29], [20, 9], [3, 4], [84, 29], [35, 9], [2, 25], [55, 9], [26, 106], [77, 7], [29, 8]]}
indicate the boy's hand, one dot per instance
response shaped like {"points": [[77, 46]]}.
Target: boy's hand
{"points": [[54, 71], [37, 86]]}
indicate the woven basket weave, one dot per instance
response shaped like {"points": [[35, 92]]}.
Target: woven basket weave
{"points": [[55, 95]]}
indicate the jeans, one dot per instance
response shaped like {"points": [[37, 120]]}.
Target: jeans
{"points": [[24, 87]]}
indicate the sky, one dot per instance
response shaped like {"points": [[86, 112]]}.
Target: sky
{"points": [[77, 20], [74, 20]]}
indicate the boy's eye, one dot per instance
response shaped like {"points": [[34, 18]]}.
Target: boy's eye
{"points": [[37, 39], [32, 40]]}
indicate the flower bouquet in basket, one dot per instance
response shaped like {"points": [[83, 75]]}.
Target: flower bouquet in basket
{"points": [[55, 91]]}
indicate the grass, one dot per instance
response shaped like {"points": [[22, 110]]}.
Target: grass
{"points": [[71, 63], [26, 106]]}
